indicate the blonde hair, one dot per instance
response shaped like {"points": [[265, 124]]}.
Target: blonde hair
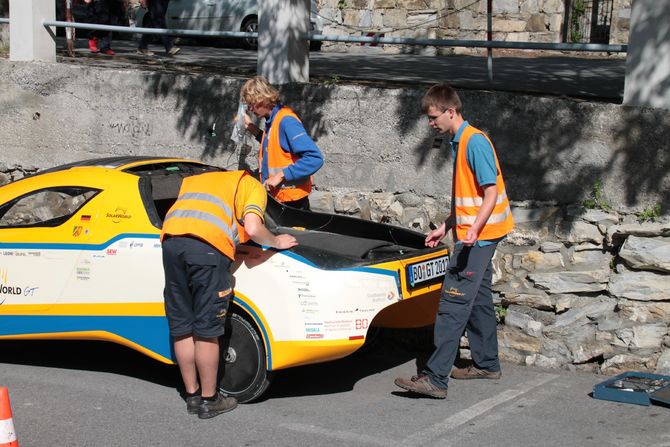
{"points": [[258, 90]]}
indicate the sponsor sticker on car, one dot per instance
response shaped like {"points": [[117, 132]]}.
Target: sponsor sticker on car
{"points": [[431, 269]]}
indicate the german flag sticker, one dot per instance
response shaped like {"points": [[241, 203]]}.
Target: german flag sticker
{"points": [[85, 217]]}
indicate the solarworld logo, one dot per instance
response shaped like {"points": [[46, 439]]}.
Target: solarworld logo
{"points": [[6, 289]]}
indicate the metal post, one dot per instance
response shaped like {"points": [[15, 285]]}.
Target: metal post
{"points": [[489, 37]]}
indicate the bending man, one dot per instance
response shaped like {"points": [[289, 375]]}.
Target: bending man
{"points": [[213, 213]]}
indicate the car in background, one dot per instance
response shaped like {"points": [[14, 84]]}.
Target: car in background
{"points": [[80, 258], [223, 15]]}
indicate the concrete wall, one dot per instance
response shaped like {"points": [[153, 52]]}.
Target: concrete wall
{"points": [[374, 139]]}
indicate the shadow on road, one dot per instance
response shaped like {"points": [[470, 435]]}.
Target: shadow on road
{"points": [[389, 349]]}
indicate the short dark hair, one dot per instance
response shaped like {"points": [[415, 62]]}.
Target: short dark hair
{"points": [[442, 97]]}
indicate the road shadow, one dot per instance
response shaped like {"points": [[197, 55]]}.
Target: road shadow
{"points": [[391, 347], [83, 355]]}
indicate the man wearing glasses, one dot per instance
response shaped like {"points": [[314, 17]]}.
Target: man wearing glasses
{"points": [[287, 156], [480, 218]]}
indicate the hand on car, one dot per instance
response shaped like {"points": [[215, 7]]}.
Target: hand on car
{"points": [[435, 236], [284, 241]]}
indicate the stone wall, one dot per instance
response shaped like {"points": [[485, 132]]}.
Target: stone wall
{"points": [[513, 21], [582, 288], [576, 288]]}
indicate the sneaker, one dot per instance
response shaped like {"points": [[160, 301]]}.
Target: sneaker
{"points": [[93, 45], [172, 51], [108, 52], [193, 404], [145, 52], [210, 408], [421, 384], [472, 372]]}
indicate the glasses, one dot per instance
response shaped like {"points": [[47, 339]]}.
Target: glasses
{"points": [[433, 118]]}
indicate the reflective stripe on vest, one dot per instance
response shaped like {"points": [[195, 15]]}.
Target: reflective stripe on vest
{"points": [[209, 216], [278, 159], [469, 196]]}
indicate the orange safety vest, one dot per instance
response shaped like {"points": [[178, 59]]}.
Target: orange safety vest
{"points": [[205, 209], [278, 159], [468, 195]]}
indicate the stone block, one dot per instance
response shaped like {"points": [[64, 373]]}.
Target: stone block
{"points": [[627, 362], [509, 26], [519, 341], [537, 23], [348, 203], [553, 6], [536, 261], [640, 286], [505, 7], [542, 302], [513, 37], [450, 21], [638, 312], [529, 6], [321, 201], [571, 282], [644, 253], [466, 20], [395, 18], [578, 232], [663, 363], [642, 337]]}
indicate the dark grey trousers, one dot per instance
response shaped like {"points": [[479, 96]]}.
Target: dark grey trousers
{"points": [[466, 303]]}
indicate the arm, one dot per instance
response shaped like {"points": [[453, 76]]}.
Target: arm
{"points": [[434, 237], [258, 233], [489, 201]]}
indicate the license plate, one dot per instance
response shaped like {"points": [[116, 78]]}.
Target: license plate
{"points": [[427, 270]]}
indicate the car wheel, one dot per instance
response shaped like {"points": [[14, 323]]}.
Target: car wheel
{"points": [[242, 368], [250, 25]]}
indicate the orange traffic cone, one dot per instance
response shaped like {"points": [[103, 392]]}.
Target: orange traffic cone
{"points": [[7, 433]]}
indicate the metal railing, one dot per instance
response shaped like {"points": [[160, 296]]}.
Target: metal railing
{"points": [[577, 47]]}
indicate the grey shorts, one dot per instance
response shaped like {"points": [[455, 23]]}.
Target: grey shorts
{"points": [[198, 287]]}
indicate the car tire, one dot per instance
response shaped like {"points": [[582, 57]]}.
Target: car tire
{"points": [[250, 25], [242, 367]]}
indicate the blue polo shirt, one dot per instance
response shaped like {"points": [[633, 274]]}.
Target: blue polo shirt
{"points": [[481, 159], [293, 138]]}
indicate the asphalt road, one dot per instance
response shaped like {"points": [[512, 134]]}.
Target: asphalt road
{"points": [[599, 78], [99, 394]]}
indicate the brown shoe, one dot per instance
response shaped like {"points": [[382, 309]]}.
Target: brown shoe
{"points": [[472, 372], [421, 384], [210, 408]]}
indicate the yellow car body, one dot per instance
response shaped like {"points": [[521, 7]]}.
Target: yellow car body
{"points": [[90, 268]]}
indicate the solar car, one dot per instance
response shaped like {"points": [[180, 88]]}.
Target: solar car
{"points": [[80, 258]]}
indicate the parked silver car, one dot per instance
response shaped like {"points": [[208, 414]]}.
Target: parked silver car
{"points": [[222, 15]]}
